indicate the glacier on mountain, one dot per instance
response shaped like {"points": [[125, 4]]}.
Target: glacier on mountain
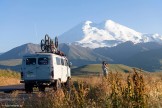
{"points": [[112, 34]]}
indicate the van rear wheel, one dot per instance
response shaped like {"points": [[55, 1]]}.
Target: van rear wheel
{"points": [[28, 88], [57, 85], [68, 84], [41, 88]]}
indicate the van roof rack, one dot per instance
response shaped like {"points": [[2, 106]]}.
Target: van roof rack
{"points": [[49, 46]]}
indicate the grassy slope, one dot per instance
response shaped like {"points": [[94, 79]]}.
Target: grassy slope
{"points": [[11, 62], [96, 69]]}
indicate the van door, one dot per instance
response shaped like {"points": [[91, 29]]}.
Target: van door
{"points": [[64, 70], [29, 68], [44, 68], [57, 68], [68, 68]]}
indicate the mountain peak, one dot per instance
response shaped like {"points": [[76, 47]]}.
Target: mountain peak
{"points": [[110, 22], [107, 34], [88, 22]]}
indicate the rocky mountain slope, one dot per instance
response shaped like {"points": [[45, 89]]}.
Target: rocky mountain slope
{"points": [[18, 52]]}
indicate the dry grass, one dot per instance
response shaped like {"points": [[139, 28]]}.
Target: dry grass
{"points": [[135, 89], [118, 90], [8, 77], [8, 81]]}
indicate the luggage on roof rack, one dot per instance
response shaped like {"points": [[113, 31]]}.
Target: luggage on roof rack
{"points": [[49, 46]]}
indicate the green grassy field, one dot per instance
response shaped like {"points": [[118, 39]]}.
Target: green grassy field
{"points": [[96, 69]]}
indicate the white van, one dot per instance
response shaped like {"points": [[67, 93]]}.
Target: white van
{"points": [[45, 70]]}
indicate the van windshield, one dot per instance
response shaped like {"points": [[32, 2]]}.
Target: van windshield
{"points": [[30, 61], [43, 61]]}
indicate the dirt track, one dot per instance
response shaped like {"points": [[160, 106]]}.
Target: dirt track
{"points": [[11, 88], [14, 95]]}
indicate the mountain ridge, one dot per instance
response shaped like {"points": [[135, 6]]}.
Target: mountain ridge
{"points": [[126, 53], [18, 52], [77, 54], [149, 60]]}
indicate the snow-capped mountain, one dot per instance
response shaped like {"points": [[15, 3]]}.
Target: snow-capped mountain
{"points": [[108, 34]]}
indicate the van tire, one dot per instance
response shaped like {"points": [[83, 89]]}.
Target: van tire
{"points": [[57, 85], [68, 84], [28, 88], [42, 88]]}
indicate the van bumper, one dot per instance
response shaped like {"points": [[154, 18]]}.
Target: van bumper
{"points": [[38, 81]]}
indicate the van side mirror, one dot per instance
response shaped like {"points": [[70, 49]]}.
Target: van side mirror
{"points": [[70, 64]]}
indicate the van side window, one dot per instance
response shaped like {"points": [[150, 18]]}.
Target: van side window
{"points": [[58, 61], [43, 61], [62, 61], [66, 63], [31, 61]]}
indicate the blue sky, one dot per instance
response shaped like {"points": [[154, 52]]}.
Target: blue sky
{"points": [[27, 21]]}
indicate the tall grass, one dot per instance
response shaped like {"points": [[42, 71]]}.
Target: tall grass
{"points": [[118, 90], [135, 89]]}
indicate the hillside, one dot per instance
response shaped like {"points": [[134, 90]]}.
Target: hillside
{"points": [[96, 69], [11, 62], [18, 52], [80, 56], [149, 60], [122, 52]]}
